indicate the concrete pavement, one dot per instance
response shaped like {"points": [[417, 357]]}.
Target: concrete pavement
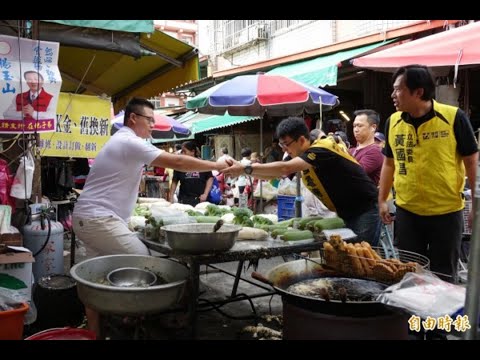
{"points": [[225, 323]]}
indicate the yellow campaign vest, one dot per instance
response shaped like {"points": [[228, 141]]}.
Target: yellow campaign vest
{"points": [[429, 172], [311, 180]]}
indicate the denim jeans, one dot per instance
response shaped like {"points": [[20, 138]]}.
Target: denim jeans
{"points": [[367, 226]]}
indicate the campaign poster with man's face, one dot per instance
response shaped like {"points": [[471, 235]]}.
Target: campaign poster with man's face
{"points": [[30, 84]]}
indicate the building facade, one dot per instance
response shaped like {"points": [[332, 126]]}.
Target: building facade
{"points": [[236, 43], [238, 47], [186, 31]]}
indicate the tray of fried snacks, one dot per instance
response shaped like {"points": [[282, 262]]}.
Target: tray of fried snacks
{"points": [[362, 261]]}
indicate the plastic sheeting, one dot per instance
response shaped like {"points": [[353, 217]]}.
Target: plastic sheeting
{"points": [[116, 25]]}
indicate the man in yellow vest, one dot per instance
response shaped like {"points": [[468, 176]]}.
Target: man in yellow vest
{"points": [[328, 171], [429, 149]]}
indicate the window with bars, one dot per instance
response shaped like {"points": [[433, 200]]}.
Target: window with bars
{"points": [[276, 25], [237, 32], [156, 102], [231, 33], [373, 26]]}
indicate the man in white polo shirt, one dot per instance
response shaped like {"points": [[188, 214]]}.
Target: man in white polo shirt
{"points": [[101, 214]]}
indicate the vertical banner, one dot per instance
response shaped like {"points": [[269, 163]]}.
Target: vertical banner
{"points": [[83, 127], [30, 84]]}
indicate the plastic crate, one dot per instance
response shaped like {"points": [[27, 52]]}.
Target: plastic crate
{"points": [[286, 207]]}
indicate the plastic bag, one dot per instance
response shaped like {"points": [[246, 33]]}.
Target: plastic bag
{"points": [[215, 195], [6, 180], [424, 294], [5, 218], [23, 178], [182, 219], [10, 299], [161, 212], [287, 187], [136, 222], [268, 190]]}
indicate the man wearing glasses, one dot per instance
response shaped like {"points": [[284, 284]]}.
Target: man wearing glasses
{"points": [[101, 214], [329, 172]]}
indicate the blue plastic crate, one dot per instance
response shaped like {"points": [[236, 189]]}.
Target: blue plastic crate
{"points": [[286, 207]]}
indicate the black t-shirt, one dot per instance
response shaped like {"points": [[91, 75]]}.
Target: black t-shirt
{"points": [[466, 143], [192, 183], [350, 189]]}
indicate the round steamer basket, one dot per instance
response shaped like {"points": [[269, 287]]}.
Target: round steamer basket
{"points": [[63, 334]]}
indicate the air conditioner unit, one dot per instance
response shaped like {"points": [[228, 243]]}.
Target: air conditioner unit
{"points": [[262, 31], [257, 31]]}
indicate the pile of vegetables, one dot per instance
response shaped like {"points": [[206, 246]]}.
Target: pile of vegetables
{"points": [[141, 210], [214, 210], [255, 227], [152, 228], [242, 217]]}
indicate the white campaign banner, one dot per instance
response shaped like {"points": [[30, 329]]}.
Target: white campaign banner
{"points": [[30, 85]]}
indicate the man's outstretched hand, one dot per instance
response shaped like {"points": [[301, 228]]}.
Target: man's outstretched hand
{"points": [[235, 168], [222, 165]]}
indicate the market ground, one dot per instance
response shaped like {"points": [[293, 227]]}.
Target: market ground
{"points": [[229, 322], [221, 324]]}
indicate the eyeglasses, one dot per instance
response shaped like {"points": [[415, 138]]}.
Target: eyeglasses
{"points": [[284, 146], [150, 119]]}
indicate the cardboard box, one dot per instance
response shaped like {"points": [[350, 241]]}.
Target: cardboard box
{"points": [[16, 270], [14, 239]]}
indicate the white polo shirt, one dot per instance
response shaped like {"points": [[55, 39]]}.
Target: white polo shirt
{"points": [[112, 185]]}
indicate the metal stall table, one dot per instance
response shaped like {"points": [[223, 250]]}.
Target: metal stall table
{"points": [[242, 251]]}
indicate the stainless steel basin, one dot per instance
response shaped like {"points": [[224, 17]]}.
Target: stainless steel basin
{"points": [[95, 291], [131, 277], [200, 238]]}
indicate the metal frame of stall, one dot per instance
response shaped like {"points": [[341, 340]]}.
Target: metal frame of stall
{"points": [[241, 252], [472, 300]]}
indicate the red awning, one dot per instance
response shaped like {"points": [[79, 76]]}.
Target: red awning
{"points": [[459, 46]]}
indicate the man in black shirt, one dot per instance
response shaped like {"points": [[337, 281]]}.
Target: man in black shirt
{"points": [[329, 171]]}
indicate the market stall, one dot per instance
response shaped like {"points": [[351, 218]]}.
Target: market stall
{"points": [[259, 95]]}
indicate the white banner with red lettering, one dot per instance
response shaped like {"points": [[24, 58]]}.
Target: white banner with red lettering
{"points": [[30, 85]]}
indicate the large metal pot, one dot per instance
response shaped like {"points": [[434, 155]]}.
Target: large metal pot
{"points": [[95, 291], [200, 238], [282, 276]]}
